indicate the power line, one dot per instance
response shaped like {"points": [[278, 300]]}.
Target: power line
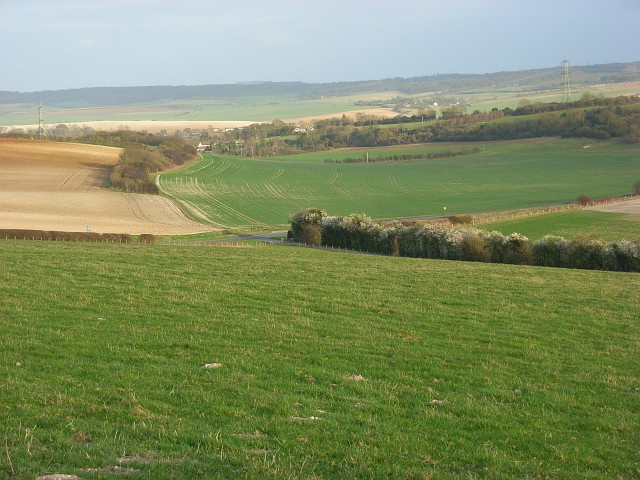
{"points": [[41, 121], [565, 75]]}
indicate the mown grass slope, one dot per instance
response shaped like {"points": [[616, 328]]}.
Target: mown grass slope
{"points": [[332, 365], [241, 192]]}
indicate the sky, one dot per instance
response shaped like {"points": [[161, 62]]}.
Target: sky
{"points": [[63, 44]]}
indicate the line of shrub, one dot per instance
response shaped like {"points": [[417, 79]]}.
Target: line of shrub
{"points": [[405, 157], [436, 241], [20, 234]]}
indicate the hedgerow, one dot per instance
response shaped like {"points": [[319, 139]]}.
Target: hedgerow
{"points": [[437, 241], [20, 234]]}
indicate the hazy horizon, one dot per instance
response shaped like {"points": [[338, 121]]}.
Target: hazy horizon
{"points": [[114, 43]]}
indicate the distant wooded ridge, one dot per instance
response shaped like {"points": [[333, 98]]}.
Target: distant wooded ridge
{"points": [[538, 79]]}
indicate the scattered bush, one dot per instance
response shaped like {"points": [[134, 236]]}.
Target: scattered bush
{"points": [[584, 199]]}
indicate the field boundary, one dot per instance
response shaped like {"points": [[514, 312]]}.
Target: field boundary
{"points": [[85, 237], [490, 217]]}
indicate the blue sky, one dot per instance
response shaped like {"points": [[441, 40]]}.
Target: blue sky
{"points": [[63, 44]]}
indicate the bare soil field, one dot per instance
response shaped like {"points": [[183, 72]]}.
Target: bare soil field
{"points": [[376, 112], [58, 186], [628, 206]]}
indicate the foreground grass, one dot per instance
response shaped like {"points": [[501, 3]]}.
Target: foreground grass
{"points": [[609, 227], [241, 192], [333, 365]]}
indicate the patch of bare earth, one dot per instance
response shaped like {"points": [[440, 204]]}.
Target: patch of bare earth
{"points": [[627, 206], [374, 112], [58, 186]]}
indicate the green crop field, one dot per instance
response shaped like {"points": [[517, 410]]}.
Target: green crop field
{"points": [[240, 192], [608, 227], [331, 365]]}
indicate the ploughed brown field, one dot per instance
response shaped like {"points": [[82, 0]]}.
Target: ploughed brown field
{"points": [[59, 186]]}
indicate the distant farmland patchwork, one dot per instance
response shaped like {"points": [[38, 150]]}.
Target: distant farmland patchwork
{"points": [[235, 191]]}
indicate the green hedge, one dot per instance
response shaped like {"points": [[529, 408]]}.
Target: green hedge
{"points": [[359, 232]]}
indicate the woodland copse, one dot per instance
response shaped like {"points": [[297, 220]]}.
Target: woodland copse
{"points": [[139, 160]]}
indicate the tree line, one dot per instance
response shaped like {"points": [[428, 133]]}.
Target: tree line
{"points": [[358, 232], [404, 157], [591, 116]]}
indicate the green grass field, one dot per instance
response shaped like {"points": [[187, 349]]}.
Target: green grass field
{"points": [[240, 192], [332, 365], [609, 227]]}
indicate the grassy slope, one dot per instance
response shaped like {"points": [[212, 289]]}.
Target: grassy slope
{"points": [[609, 227], [470, 370], [234, 191]]}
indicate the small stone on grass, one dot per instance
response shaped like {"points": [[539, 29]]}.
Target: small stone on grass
{"points": [[58, 476], [212, 365]]}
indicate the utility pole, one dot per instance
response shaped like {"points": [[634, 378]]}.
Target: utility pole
{"points": [[566, 82], [41, 121]]}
